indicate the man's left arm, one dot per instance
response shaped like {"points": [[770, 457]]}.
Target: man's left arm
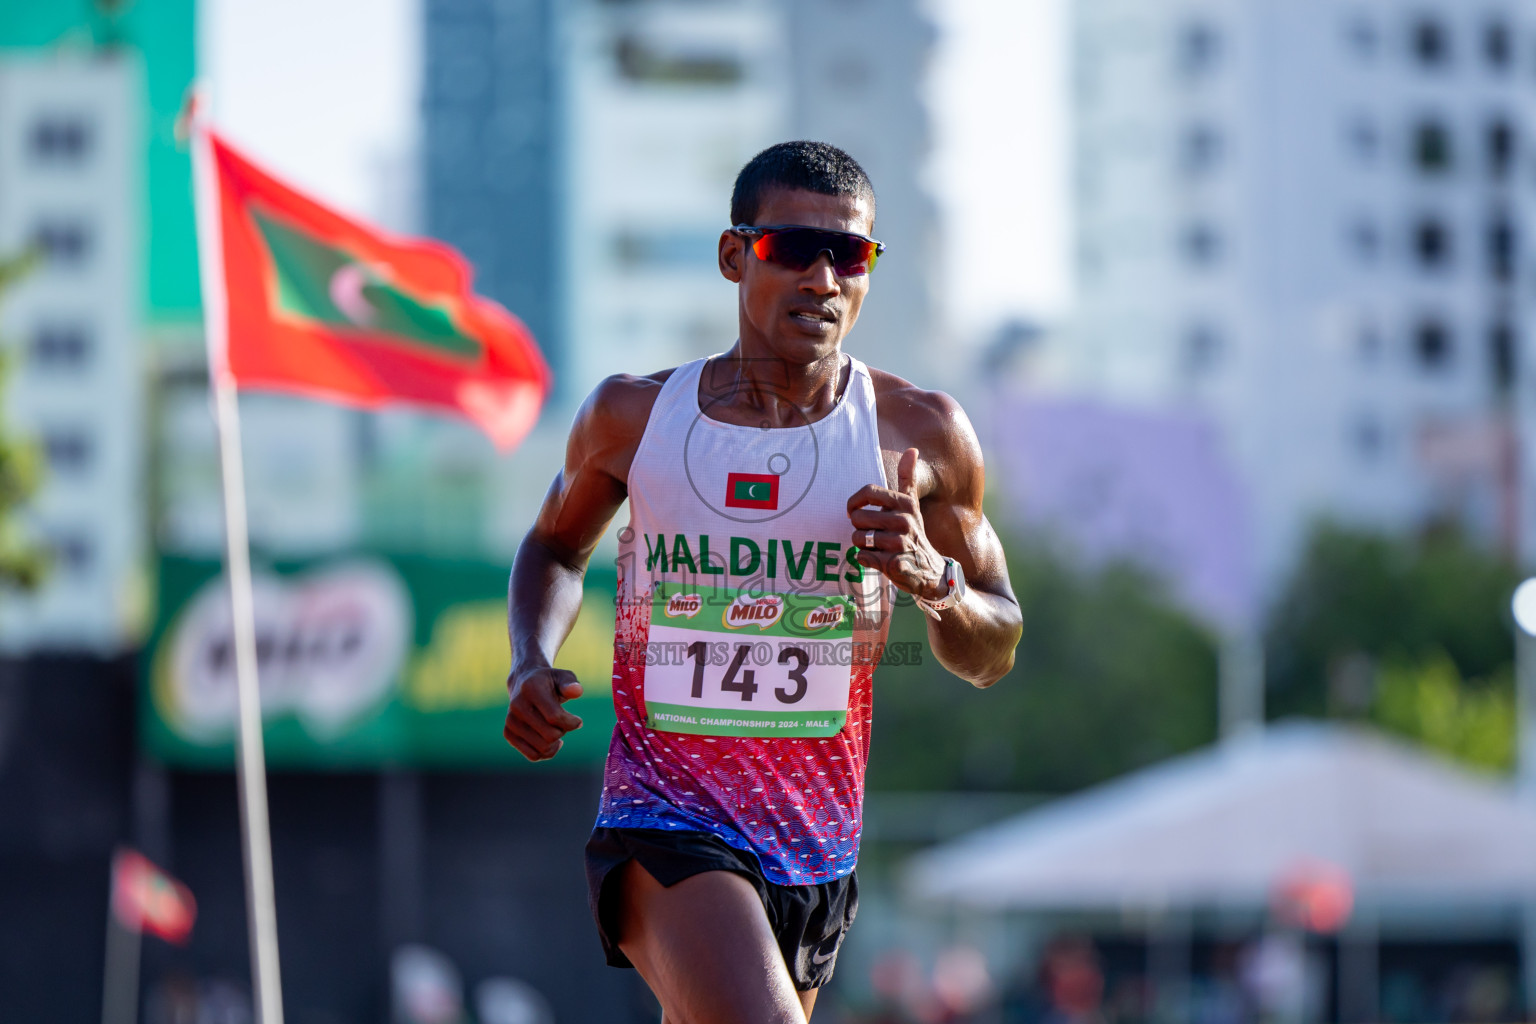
{"points": [[935, 513]]}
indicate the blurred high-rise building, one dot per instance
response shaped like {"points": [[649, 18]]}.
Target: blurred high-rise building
{"points": [[858, 81], [1301, 217], [667, 101], [492, 180], [70, 151], [92, 174]]}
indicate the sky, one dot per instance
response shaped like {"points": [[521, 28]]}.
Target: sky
{"points": [[324, 93], [318, 91], [999, 170]]}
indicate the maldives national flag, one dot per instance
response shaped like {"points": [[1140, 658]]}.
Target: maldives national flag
{"points": [[752, 490], [146, 899], [302, 299]]}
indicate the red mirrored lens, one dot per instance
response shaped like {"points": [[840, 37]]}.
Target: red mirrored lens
{"points": [[798, 248]]}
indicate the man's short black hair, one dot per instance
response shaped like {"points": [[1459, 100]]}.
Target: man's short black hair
{"points": [[813, 166]]}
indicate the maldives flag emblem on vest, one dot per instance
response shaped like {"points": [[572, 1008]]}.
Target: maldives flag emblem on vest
{"points": [[310, 301], [751, 490]]}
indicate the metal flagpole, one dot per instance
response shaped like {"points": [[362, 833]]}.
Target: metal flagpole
{"points": [[250, 764], [120, 976]]}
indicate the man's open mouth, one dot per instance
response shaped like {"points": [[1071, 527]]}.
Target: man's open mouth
{"points": [[813, 316]]}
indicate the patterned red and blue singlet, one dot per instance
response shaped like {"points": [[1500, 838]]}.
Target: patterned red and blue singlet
{"points": [[746, 635]]}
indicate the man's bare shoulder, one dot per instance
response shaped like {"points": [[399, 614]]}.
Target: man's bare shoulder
{"points": [[934, 423], [624, 399], [612, 420], [917, 415]]}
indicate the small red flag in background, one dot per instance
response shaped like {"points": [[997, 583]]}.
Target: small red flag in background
{"points": [[312, 302], [146, 899], [1314, 895]]}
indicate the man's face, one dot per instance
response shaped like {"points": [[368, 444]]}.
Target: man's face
{"points": [[800, 316]]}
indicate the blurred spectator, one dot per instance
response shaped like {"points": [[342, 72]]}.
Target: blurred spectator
{"points": [[896, 978], [1218, 997], [224, 1002], [180, 998], [962, 985], [509, 1001], [173, 1000], [1281, 980], [1073, 982], [425, 987], [1481, 994]]}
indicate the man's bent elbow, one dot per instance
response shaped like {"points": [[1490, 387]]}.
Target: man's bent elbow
{"points": [[1000, 666], [982, 680]]}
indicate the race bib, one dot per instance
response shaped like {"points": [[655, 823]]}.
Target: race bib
{"points": [[720, 662]]}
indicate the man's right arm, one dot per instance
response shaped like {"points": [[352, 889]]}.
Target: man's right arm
{"points": [[544, 595]]}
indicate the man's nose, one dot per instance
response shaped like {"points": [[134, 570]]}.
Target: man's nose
{"points": [[819, 276]]}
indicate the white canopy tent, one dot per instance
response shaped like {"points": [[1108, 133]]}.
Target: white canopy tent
{"points": [[1223, 826]]}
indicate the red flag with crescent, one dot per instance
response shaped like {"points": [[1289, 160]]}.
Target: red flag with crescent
{"points": [[303, 299]]}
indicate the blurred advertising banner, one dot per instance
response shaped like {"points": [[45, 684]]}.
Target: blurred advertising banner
{"points": [[365, 661]]}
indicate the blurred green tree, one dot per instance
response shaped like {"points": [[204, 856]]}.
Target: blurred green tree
{"points": [[22, 561], [1472, 721], [1413, 633], [1110, 676]]}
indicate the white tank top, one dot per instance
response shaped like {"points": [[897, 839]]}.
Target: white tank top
{"points": [[746, 635]]}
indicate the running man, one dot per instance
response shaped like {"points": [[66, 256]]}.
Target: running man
{"points": [[780, 492]]}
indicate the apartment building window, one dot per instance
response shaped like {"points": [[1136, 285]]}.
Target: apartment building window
{"points": [[1433, 151], [60, 346], [1201, 244], [1432, 343], [59, 139], [1203, 347], [1430, 41], [64, 242], [1365, 240], [1432, 243], [1498, 44], [1364, 139], [1501, 247], [640, 249], [1368, 343], [1500, 147], [640, 60], [72, 552], [1368, 437], [68, 450], [1361, 35], [1503, 355], [849, 73], [1200, 150], [1199, 50]]}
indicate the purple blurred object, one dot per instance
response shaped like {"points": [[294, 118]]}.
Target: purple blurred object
{"points": [[1151, 487]]}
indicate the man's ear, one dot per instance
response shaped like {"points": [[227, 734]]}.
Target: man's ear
{"points": [[733, 255]]}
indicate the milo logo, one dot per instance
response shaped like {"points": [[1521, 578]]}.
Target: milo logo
{"points": [[761, 612], [684, 605], [823, 617]]}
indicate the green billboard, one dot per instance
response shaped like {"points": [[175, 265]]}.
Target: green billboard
{"points": [[365, 661]]}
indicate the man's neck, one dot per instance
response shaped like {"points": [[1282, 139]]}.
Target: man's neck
{"points": [[769, 390]]}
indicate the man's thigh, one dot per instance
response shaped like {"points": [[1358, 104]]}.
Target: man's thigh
{"points": [[705, 948]]}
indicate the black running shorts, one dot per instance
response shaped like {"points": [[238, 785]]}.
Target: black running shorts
{"points": [[809, 921]]}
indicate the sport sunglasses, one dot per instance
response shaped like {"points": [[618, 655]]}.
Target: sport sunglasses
{"points": [[797, 247]]}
